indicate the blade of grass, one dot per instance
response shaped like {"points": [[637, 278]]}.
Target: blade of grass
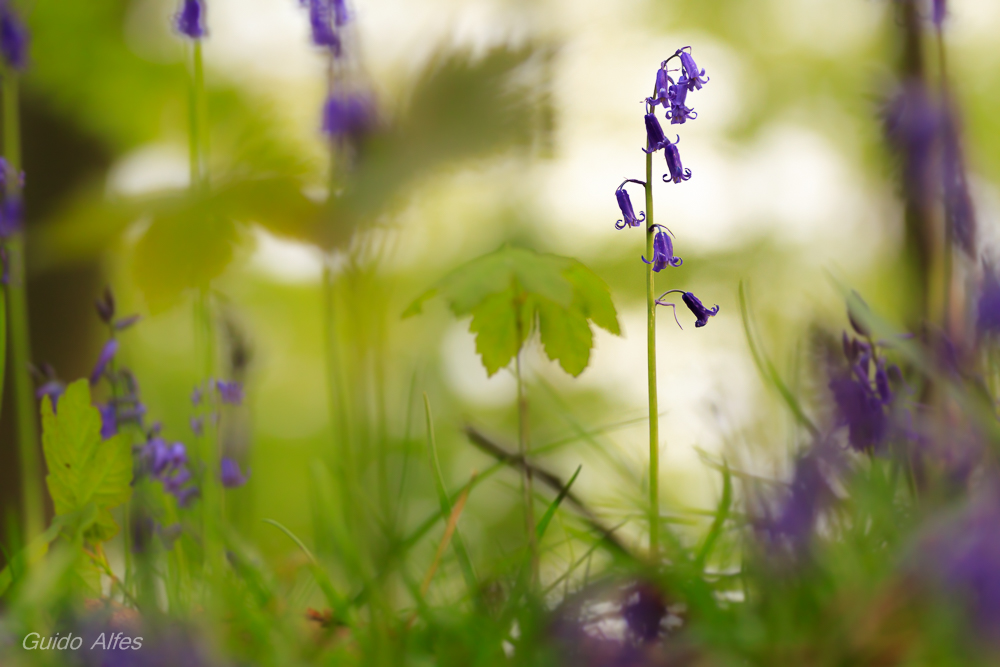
{"points": [[767, 369], [449, 531], [718, 523], [543, 524], [446, 508], [333, 599]]}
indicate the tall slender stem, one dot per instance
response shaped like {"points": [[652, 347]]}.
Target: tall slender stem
{"points": [[526, 476], [654, 426], [20, 341]]}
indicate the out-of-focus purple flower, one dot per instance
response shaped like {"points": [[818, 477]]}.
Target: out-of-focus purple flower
{"points": [[190, 20], [912, 123], [13, 38], [861, 410], [196, 396], [197, 426], [126, 322], [340, 14], [677, 171], [321, 24], [695, 305], [960, 214], [988, 307], [629, 218], [11, 218], [107, 354], [230, 392], [679, 113], [960, 553], [53, 389], [231, 475], [793, 522], [643, 610], [694, 75], [663, 251], [939, 12], [109, 421], [655, 139], [347, 115], [661, 94], [168, 464], [105, 306]]}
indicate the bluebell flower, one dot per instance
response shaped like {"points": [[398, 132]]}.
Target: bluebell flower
{"points": [[661, 95], [629, 218], [663, 250], [321, 24], [939, 12], [655, 139], [988, 307], [694, 75], [230, 392], [107, 354], [105, 306], [958, 208], [861, 410], [109, 420], [231, 475], [693, 303], [679, 113], [347, 115], [13, 38], [197, 426], [190, 20], [11, 218], [912, 123], [677, 172], [340, 15]]}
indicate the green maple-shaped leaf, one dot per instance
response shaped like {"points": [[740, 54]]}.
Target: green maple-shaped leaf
{"points": [[513, 291], [84, 469]]}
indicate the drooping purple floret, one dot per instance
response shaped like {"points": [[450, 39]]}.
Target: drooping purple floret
{"points": [[190, 20], [230, 392], [861, 410], [695, 76], [347, 115], [321, 25], [663, 251], [912, 123], [809, 492], [655, 139], [961, 554], [679, 113], [958, 208], [13, 38], [939, 12], [107, 354], [695, 305], [340, 14], [988, 307], [677, 172], [105, 306], [231, 475], [661, 94], [109, 420], [11, 218], [167, 462], [53, 389], [629, 218]]}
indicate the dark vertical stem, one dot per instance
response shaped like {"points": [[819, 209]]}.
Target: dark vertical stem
{"points": [[20, 339]]}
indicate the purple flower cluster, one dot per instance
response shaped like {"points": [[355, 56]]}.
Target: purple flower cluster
{"points": [[167, 463], [863, 394], [231, 474], [791, 523]]}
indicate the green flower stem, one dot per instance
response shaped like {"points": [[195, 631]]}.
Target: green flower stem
{"points": [[527, 482], [654, 427], [20, 341]]}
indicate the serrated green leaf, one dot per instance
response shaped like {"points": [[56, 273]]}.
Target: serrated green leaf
{"points": [[592, 296], [84, 469], [510, 289], [566, 336], [494, 321], [469, 284]]}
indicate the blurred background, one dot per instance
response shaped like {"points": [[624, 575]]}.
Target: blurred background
{"points": [[792, 191]]}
